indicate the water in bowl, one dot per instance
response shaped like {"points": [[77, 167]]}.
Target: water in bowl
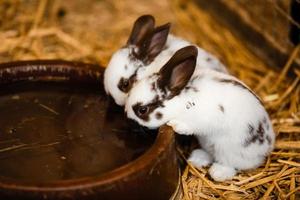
{"points": [[58, 131]]}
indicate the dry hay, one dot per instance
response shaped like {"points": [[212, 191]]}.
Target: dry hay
{"points": [[92, 30]]}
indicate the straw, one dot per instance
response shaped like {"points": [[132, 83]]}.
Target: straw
{"points": [[92, 31]]}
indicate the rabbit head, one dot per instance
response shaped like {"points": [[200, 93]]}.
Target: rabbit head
{"points": [[144, 44], [148, 101]]}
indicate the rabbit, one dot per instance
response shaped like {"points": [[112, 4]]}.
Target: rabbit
{"points": [[147, 49], [228, 119]]}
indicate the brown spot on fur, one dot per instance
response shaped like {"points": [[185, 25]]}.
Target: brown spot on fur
{"points": [[126, 84], [136, 108], [155, 103], [153, 86], [268, 126], [208, 59], [249, 140], [251, 129], [258, 135], [158, 115], [269, 139], [188, 88], [221, 107], [265, 120], [266, 123], [238, 84], [123, 85]]}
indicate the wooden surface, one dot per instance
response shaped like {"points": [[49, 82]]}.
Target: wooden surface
{"points": [[262, 25]]}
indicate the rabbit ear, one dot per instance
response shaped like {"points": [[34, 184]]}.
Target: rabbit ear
{"points": [[176, 73], [142, 27], [155, 44]]}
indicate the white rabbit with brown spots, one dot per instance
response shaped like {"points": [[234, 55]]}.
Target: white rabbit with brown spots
{"points": [[147, 49], [229, 120]]}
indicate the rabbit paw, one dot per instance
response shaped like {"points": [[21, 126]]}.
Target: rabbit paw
{"points": [[200, 158], [179, 127], [221, 172]]}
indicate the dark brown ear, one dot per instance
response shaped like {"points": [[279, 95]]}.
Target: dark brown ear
{"points": [[176, 73], [142, 28], [155, 44]]}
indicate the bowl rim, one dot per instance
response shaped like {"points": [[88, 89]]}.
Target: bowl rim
{"points": [[76, 71]]}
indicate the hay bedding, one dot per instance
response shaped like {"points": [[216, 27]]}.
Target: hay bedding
{"points": [[91, 30]]}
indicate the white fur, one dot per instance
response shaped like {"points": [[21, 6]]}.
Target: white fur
{"points": [[200, 158], [222, 135], [116, 67]]}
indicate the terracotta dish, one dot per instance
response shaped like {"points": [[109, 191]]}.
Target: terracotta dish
{"points": [[61, 137]]}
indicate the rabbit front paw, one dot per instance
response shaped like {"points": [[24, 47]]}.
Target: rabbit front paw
{"points": [[179, 127], [221, 172], [200, 158]]}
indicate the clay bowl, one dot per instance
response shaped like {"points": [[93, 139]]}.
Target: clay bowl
{"points": [[62, 138]]}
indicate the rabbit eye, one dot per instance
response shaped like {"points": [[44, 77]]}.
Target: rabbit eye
{"points": [[124, 85], [143, 110]]}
